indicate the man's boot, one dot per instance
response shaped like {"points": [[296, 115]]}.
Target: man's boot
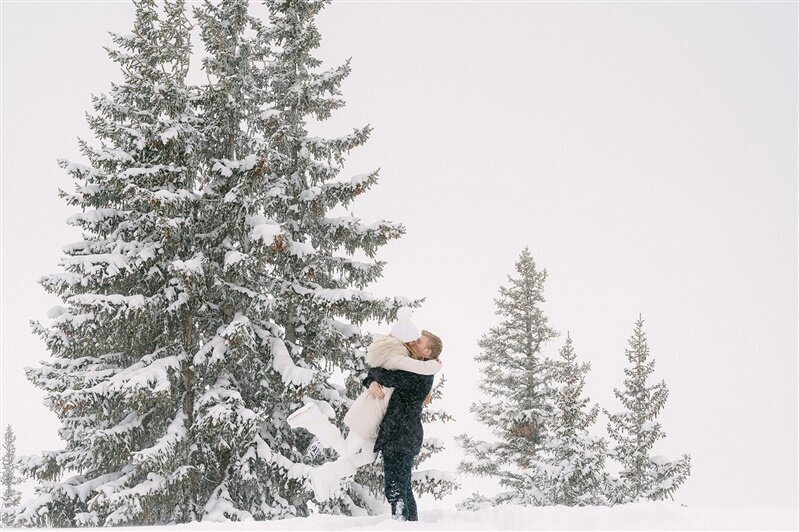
{"points": [[396, 510]]}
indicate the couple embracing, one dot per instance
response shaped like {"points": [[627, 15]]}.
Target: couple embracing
{"points": [[385, 418]]}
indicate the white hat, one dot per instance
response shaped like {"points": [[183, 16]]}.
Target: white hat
{"points": [[404, 330]]}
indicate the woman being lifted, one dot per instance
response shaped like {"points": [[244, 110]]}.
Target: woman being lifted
{"points": [[404, 349]]}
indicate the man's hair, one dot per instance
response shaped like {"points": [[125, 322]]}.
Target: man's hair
{"points": [[435, 344]]}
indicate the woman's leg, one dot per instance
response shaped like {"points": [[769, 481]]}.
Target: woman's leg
{"points": [[354, 443], [327, 477], [360, 450], [311, 419]]}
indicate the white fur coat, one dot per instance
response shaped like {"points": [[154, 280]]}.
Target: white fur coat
{"points": [[366, 413]]}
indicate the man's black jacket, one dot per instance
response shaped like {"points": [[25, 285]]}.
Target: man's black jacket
{"points": [[401, 429]]}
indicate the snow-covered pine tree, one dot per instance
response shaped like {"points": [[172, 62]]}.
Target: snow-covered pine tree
{"points": [[119, 377], [517, 377], [283, 266], [635, 430], [10, 480], [212, 293], [577, 459], [320, 297], [242, 371]]}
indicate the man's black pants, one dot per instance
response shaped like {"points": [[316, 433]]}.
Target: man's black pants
{"points": [[397, 468]]}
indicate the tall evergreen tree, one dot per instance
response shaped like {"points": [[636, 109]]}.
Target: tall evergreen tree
{"points": [[576, 459], [320, 300], [119, 378], [10, 480], [518, 380], [635, 430], [278, 272], [244, 369], [213, 292]]}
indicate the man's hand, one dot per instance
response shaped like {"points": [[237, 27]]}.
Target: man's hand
{"points": [[428, 398], [376, 391]]}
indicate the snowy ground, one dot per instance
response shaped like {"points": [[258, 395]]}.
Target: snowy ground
{"points": [[644, 516]]}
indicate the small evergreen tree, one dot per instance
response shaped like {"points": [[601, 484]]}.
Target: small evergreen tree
{"points": [[11, 495], [576, 459], [518, 380], [635, 430]]}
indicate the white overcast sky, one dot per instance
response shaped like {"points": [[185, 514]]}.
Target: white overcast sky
{"points": [[645, 152]]}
